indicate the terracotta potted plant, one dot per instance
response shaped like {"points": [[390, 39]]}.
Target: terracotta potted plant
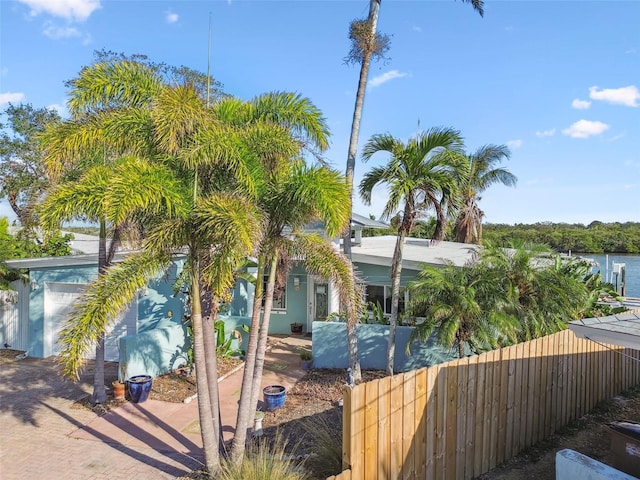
{"points": [[118, 390], [119, 386]]}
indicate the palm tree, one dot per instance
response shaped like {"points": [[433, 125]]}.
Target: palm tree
{"points": [[222, 157], [459, 304], [540, 296], [481, 173], [415, 174], [103, 195], [293, 196], [366, 45]]}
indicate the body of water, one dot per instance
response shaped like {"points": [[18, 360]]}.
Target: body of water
{"points": [[632, 263]]}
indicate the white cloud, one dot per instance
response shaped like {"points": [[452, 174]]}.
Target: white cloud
{"points": [[4, 71], [56, 32], [10, 97], [172, 17], [73, 10], [546, 133], [513, 144], [385, 77], [61, 109], [628, 96], [416, 28], [580, 104], [585, 129]]}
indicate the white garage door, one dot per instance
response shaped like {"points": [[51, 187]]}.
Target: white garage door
{"points": [[59, 299]]}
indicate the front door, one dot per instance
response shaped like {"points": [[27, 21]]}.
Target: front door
{"points": [[318, 302]]}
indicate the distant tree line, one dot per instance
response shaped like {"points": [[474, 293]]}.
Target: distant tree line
{"points": [[597, 237]]}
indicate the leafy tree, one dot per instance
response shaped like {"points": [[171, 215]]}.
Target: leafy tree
{"points": [[416, 173], [22, 173], [598, 237], [480, 174]]}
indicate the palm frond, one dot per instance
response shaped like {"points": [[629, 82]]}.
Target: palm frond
{"points": [[107, 85], [101, 304]]}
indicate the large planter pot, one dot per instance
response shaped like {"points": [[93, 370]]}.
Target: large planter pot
{"points": [[139, 388], [274, 397]]}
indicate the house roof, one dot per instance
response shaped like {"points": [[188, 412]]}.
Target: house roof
{"points": [[622, 329], [365, 222], [56, 262], [416, 252]]}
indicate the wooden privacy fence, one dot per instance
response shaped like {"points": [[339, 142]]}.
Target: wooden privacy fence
{"points": [[460, 419]]}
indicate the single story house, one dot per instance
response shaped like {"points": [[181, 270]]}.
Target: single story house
{"points": [[306, 298], [32, 318], [32, 315]]}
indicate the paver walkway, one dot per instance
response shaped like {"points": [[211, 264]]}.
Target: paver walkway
{"points": [[43, 437]]}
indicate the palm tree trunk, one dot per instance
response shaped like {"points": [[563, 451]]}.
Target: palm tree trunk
{"points": [[244, 408], [374, 8], [396, 273], [264, 334], [210, 351], [441, 222], [207, 432], [352, 346], [99, 394]]}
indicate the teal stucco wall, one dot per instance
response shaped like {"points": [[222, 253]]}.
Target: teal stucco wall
{"points": [[39, 278], [381, 275], [330, 348]]}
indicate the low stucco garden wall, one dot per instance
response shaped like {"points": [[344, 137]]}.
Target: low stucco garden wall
{"points": [[330, 348], [164, 349]]}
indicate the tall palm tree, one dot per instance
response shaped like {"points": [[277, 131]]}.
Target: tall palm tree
{"points": [[481, 172], [292, 197], [458, 303], [103, 195], [415, 173], [366, 45], [222, 156]]}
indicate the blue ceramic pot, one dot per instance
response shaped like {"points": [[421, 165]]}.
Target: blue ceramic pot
{"points": [[274, 397], [139, 388]]}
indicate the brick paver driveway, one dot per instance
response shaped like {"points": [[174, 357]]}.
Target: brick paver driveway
{"points": [[37, 419]]}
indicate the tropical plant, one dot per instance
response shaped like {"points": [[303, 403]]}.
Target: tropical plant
{"points": [[480, 173], [128, 107], [293, 196], [228, 160], [416, 172], [368, 44], [459, 304], [540, 296]]}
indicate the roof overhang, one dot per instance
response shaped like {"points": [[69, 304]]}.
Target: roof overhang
{"points": [[622, 330]]}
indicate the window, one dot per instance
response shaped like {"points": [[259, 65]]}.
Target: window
{"points": [[381, 294], [279, 295]]}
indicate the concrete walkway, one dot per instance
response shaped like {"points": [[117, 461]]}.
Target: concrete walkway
{"points": [[44, 437]]}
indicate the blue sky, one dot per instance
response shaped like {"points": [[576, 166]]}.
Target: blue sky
{"points": [[556, 81]]}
